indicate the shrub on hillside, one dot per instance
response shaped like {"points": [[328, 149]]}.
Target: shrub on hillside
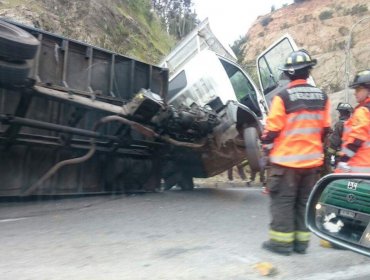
{"points": [[358, 9], [265, 21], [325, 15], [285, 25]]}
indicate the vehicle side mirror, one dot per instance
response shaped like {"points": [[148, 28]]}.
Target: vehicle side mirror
{"points": [[338, 210]]}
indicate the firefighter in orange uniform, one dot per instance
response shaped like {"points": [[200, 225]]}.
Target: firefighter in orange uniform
{"points": [[297, 124], [355, 152]]}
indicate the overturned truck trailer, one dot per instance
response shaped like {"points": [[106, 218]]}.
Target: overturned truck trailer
{"points": [[77, 119]]}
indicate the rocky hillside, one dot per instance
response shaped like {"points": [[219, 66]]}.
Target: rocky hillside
{"points": [[322, 27], [124, 26]]}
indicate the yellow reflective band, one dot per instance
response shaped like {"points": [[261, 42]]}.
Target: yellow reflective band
{"points": [[293, 158], [282, 237], [347, 130], [306, 130], [302, 117], [302, 235], [349, 153], [299, 58], [289, 60], [308, 58]]}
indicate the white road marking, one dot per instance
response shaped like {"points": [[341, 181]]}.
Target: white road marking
{"points": [[11, 220]]}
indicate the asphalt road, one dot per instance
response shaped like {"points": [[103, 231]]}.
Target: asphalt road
{"points": [[210, 233]]}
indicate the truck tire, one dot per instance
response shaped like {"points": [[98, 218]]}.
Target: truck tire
{"points": [[13, 73], [252, 147], [16, 43]]}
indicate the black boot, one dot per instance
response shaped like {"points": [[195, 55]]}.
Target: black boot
{"points": [[282, 249], [300, 247]]}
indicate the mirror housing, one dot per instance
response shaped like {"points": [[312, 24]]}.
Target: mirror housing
{"points": [[338, 210]]}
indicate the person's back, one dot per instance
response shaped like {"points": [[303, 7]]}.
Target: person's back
{"points": [[334, 140]]}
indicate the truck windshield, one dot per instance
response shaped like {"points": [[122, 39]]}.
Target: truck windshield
{"points": [[269, 65], [243, 88]]}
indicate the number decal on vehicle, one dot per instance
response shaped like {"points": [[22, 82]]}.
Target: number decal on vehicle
{"points": [[352, 185]]}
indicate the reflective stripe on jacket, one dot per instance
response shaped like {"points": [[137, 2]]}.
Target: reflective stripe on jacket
{"points": [[356, 139], [295, 126]]}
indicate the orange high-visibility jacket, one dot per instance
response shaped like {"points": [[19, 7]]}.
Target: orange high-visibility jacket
{"points": [[297, 123], [356, 139]]}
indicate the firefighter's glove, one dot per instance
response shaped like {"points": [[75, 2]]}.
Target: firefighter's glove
{"points": [[344, 167]]}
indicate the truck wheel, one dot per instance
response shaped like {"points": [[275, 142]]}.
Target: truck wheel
{"points": [[16, 43], [13, 73], [252, 147]]}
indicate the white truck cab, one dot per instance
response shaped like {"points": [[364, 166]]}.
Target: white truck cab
{"points": [[203, 72]]}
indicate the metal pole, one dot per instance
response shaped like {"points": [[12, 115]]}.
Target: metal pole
{"points": [[348, 57]]}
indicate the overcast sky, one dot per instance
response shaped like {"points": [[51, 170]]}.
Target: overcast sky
{"points": [[230, 19]]}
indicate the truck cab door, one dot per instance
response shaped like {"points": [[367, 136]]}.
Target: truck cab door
{"points": [[271, 79], [246, 92]]}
